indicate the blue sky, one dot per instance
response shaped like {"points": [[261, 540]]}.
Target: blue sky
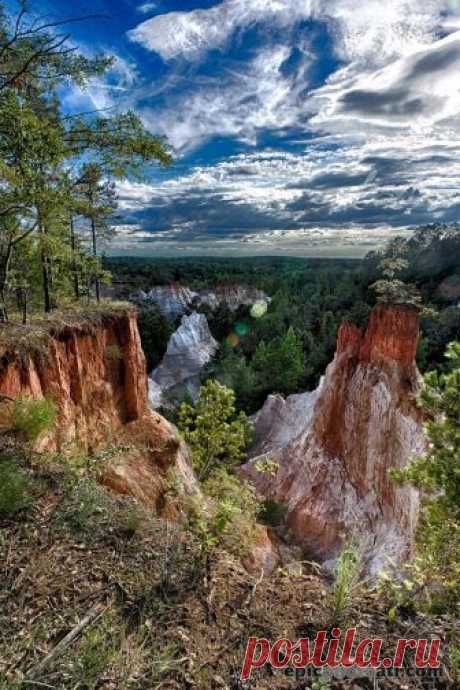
{"points": [[301, 127]]}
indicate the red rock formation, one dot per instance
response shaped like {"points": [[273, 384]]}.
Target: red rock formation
{"points": [[391, 336], [96, 374], [362, 420]]}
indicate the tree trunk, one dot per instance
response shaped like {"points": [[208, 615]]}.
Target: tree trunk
{"points": [[24, 305], [97, 281], [4, 270], [76, 286], [46, 275], [46, 283]]}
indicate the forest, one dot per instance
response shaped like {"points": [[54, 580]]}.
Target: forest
{"points": [[295, 339]]}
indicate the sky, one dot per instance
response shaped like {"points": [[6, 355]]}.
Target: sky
{"points": [[298, 127]]}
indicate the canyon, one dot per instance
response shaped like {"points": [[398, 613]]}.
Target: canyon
{"points": [[331, 449]]}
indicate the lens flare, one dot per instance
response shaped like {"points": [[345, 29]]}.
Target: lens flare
{"points": [[233, 340], [242, 329], [259, 309]]}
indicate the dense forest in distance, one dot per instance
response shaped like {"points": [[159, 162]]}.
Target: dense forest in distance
{"points": [[287, 350]]}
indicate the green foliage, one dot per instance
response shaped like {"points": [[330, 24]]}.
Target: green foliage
{"points": [[273, 512], [267, 466], [347, 580], [216, 434], [114, 352], [437, 475], [15, 494], [98, 651], [454, 653], [283, 357], [33, 418], [400, 592], [234, 371], [57, 172], [396, 292], [228, 519]]}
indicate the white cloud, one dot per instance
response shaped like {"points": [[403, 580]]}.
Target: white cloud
{"points": [[373, 30], [188, 34], [104, 93], [373, 39], [382, 135], [240, 104], [147, 7]]}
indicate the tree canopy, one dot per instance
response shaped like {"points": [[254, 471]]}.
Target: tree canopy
{"points": [[57, 170]]}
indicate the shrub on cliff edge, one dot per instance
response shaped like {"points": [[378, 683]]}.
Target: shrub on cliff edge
{"points": [[33, 418]]}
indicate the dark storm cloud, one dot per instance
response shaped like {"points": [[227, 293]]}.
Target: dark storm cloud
{"points": [[196, 213], [391, 102]]}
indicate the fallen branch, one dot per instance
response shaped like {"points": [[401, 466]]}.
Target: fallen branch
{"points": [[93, 615], [253, 591]]}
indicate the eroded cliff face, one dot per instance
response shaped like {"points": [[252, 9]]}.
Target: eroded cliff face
{"points": [[96, 375], [334, 446], [175, 300], [189, 349]]}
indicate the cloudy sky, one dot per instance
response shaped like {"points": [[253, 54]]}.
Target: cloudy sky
{"points": [[303, 127]]}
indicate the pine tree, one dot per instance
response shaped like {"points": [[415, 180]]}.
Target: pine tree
{"points": [[216, 434], [40, 198]]}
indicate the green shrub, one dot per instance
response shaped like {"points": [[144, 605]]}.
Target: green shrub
{"points": [[217, 435], [227, 520], [114, 353], [32, 418], [437, 475], [273, 512], [14, 489], [92, 512], [98, 651], [454, 655]]}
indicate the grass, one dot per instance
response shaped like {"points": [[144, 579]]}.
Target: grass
{"points": [[33, 338], [33, 418], [347, 580], [165, 621]]}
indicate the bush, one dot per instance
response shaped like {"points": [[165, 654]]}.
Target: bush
{"points": [[14, 489], [32, 418], [273, 512], [228, 519], [437, 475]]}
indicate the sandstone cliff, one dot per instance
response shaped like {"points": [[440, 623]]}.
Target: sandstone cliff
{"points": [[175, 300], [94, 369], [190, 348], [334, 446]]}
